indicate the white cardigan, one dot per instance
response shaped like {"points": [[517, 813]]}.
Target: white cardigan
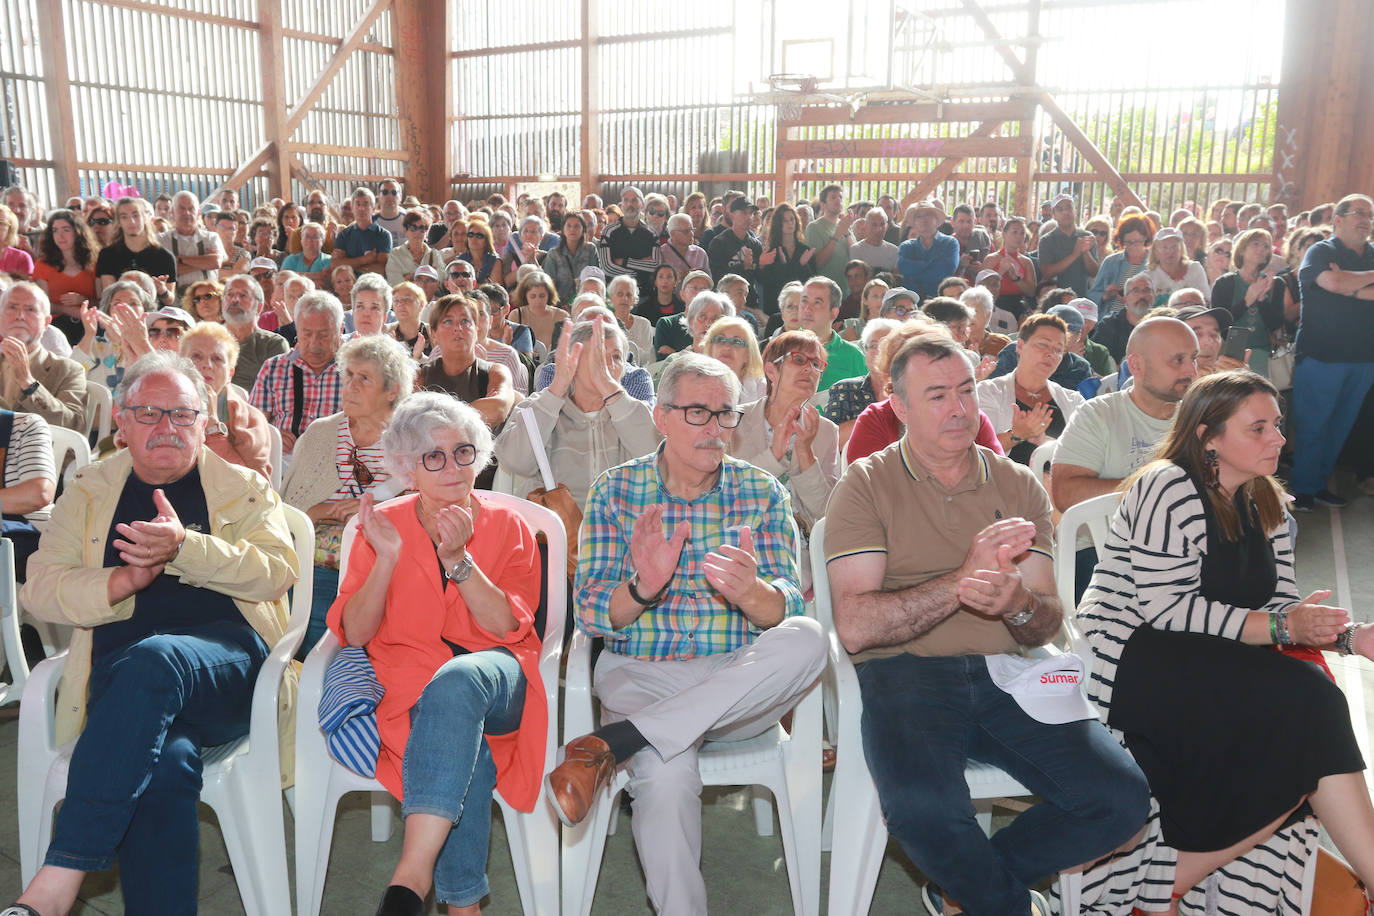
{"points": [[997, 399]]}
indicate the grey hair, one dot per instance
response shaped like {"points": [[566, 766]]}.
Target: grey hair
{"points": [[388, 355], [875, 325], [601, 285], [537, 220], [705, 298], [411, 431], [364, 192], [320, 303], [145, 301], [254, 288], [832, 289], [311, 224], [679, 221], [620, 280], [298, 279], [146, 282], [979, 298], [933, 345], [1142, 277], [792, 286], [185, 193], [582, 331], [695, 365], [595, 300], [159, 362], [371, 283], [44, 303]]}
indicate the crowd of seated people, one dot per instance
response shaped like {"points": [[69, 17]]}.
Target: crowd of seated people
{"points": [[707, 377]]}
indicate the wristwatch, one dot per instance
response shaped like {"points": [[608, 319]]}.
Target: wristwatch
{"points": [[29, 391], [460, 571], [639, 599], [1022, 618]]}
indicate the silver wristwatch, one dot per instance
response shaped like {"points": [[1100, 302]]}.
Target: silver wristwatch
{"points": [[460, 571], [1021, 618]]}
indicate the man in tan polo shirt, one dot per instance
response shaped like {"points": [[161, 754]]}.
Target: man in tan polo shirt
{"points": [[940, 571]]}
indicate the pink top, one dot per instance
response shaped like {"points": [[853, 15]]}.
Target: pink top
{"points": [[878, 427], [16, 261]]}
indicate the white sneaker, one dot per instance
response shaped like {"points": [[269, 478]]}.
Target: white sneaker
{"points": [[1039, 906]]}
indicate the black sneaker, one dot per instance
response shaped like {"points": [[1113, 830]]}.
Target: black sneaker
{"points": [[1302, 502], [1327, 498]]}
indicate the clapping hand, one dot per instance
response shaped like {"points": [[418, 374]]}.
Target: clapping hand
{"points": [[381, 534], [154, 543], [653, 556], [996, 591], [16, 356], [1031, 424], [734, 571], [1311, 623], [455, 530], [566, 362]]}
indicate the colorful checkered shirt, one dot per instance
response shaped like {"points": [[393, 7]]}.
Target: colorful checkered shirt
{"points": [[274, 392], [693, 618]]}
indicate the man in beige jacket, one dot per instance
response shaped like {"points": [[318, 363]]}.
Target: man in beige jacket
{"points": [[173, 566]]}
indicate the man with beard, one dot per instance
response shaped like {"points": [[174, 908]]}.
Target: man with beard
{"points": [[243, 301], [32, 379], [316, 211], [630, 247], [1114, 331], [687, 570], [1113, 435], [302, 385], [556, 207]]}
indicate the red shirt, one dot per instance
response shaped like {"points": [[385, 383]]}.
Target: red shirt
{"points": [[59, 284], [878, 427]]}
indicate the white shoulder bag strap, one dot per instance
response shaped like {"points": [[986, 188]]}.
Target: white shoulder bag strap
{"points": [[537, 444]]}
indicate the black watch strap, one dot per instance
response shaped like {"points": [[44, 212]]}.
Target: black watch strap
{"points": [[639, 599]]}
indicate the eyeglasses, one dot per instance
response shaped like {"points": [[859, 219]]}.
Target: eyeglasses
{"points": [[459, 274], [149, 415], [901, 311], [416, 227], [437, 460], [385, 193], [172, 333], [205, 297], [696, 415], [1222, 251], [722, 340], [362, 474], [1100, 233], [798, 358], [101, 221], [658, 212]]}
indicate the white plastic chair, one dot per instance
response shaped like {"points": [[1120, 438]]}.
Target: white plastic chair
{"points": [[9, 627], [321, 781], [860, 834], [1094, 514], [241, 779], [99, 409], [69, 442], [1041, 459], [787, 765], [274, 456]]}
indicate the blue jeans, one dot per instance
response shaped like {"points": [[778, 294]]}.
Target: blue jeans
{"points": [[925, 718], [448, 770], [326, 590], [135, 775], [1326, 400]]}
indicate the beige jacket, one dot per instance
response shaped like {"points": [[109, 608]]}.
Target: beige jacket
{"points": [[248, 556]]}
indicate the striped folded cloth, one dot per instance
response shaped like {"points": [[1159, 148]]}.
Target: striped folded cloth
{"points": [[348, 710]]}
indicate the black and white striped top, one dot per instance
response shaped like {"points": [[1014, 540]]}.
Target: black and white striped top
{"points": [[1151, 574], [30, 456]]}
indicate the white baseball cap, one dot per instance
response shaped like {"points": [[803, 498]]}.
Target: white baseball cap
{"points": [[1049, 690]]}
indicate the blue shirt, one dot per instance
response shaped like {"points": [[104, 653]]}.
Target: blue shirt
{"points": [[297, 263], [923, 268], [356, 242], [1334, 328]]}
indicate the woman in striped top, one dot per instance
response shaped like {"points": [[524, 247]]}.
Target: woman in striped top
{"points": [[1194, 592]]}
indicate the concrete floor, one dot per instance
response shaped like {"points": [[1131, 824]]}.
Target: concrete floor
{"points": [[745, 872]]}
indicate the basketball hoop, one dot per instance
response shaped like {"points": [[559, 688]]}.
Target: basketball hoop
{"points": [[789, 91]]}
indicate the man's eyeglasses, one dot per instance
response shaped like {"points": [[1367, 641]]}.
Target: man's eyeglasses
{"points": [[362, 474], [722, 340], [387, 193], [437, 460], [149, 415], [696, 415], [459, 274], [101, 221], [900, 311], [798, 358]]}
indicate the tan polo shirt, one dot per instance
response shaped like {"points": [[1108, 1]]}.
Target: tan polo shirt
{"points": [[888, 503]]}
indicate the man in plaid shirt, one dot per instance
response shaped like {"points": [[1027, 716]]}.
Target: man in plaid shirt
{"points": [[302, 385], [687, 570]]}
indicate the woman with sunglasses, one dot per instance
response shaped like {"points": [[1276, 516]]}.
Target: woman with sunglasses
{"points": [[339, 457], [204, 301], [403, 259], [481, 252], [65, 270], [1218, 259], [441, 591], [102, 222], [731, 341]]}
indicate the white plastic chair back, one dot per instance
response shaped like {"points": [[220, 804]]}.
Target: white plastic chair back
{"points": [[860, 836], [1094, 514], [9, 627], [274, 457], [69, 442], [241, 779], [1041, 459], [99, 409], [787, 765], [321, 781]]}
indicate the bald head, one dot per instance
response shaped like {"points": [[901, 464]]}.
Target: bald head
{"points": [[1162, 355]]}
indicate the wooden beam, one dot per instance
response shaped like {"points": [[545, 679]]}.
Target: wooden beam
{"points": [[249, 169], [303, 175], [1026, 126], [336, 42], [420, 30], [1002, 45], [122, 167], [913, 112], [937, 175], [157, 9], [52, 45], [589, 137], [360, 152], [978, 144], [272, 58], [331, 69], [1090, 152]]}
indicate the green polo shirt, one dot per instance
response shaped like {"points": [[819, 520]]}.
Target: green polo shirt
{"points": [[843, 360]]}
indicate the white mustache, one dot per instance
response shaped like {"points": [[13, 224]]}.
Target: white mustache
{"points": [[711, 443], [160, 441]]}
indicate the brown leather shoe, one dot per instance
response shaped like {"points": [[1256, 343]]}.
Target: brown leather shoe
{"points": [[575, 783]]}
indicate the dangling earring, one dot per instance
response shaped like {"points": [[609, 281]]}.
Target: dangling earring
{"points": [[1210, 468]]}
